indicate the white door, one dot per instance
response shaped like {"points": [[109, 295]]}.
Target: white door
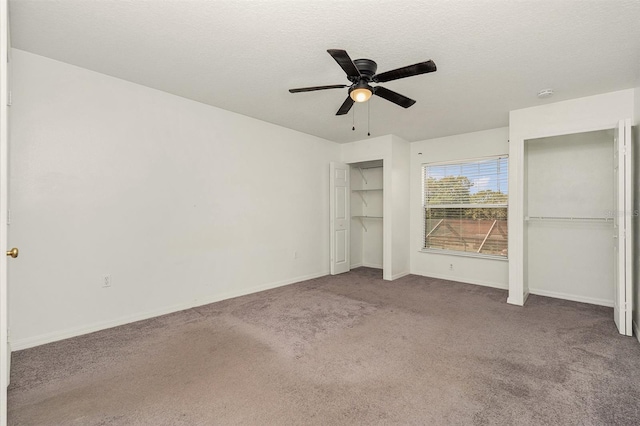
{"points": [[623, 220], [4, 342], [339, 206]]}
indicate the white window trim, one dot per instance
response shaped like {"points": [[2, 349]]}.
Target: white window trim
{"points": [[463, 254]]}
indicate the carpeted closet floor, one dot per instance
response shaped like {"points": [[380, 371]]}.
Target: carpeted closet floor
{"points": [[348, 349]]}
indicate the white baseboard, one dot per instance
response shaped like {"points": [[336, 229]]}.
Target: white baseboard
{"points": [[636, 330], [572, 297], [366, 265], [517, 302], [42, 339], [464, 280], [400, 275], [514, 302]]}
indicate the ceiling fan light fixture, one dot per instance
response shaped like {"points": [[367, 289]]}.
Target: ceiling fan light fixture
{"points": [[361, 92]]}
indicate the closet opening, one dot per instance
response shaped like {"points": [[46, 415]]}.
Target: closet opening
{"points": [[571, 188], [367, 222]]}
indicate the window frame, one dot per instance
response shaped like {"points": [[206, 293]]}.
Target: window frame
{"points": [[424, 207]]}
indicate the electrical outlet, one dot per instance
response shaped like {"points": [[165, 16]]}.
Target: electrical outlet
{"points": [[295, 254], [451, 266], [106, 280]]}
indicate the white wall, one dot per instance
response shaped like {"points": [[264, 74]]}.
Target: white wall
{"points": [[401, 152], [570, 176], [488, 272], [591, 113], [182, 203]]}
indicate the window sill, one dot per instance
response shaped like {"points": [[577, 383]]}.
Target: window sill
{"points": [[464, 254]]}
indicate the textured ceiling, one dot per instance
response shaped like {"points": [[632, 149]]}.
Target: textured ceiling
{"points": [[492, 56]]}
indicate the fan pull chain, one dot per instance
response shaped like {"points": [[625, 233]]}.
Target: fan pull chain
{"points": [[353, 115], [369, 118]]}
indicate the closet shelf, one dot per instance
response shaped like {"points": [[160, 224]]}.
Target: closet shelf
{"points": [[360, 219], [361, 193]]}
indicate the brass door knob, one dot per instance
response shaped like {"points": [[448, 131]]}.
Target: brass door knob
{"points": [[13, 252]]}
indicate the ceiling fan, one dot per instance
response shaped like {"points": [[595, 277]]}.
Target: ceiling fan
{"points": [[362, 72]]}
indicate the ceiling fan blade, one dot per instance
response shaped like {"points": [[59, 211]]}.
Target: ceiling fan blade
{"points": [[346, 106], [311, 89], [345, 62], [408, 71], [394, 97]]}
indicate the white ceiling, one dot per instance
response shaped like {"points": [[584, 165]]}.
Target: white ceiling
{"points": [[243, 56]]}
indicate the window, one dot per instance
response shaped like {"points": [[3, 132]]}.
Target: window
{"points": [[465, 206]]}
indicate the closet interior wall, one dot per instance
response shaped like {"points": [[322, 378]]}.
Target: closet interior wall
{"points": [[569, 203], [366, 214]]}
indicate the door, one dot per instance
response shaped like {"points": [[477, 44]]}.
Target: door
{"points": [[4, 342], [623, 220], [339, 206]]}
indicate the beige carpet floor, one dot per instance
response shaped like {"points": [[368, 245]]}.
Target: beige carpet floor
{"points": [[350, 349]]}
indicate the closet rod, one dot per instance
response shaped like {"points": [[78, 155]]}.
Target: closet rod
{"points": [[569, 218]]}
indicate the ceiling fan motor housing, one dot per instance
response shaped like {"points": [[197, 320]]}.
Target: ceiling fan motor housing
{"points": [[367, 68]]}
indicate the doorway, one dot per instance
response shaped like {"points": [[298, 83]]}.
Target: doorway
{"points": [[356, 204]]}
